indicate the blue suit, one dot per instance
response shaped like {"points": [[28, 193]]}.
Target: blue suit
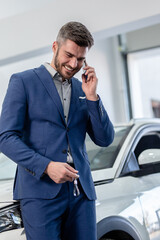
{"points": [[33, 132]]}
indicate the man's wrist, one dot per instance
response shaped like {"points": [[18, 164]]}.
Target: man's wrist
{"points": [[46, 170], [92, 97]]}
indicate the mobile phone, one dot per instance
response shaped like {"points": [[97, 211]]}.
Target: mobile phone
{"points": [[84, 71]]}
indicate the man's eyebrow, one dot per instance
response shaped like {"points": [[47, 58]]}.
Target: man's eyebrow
{"points": [[81, 58], [69, 53], [72, 55]]}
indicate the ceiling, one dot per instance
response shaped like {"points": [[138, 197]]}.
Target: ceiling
{"points": [[9, 8]]}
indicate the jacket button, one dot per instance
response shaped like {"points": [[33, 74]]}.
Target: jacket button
{"points": [[64, 151]]}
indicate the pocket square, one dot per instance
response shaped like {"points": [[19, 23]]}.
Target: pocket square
{"points": [[82, 97]]}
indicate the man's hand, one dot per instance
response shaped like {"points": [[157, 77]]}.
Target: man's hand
{"points": [[61, 172], [89, 86]]}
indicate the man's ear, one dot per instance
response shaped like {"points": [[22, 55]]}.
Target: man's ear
{"points": [[55, 46]]}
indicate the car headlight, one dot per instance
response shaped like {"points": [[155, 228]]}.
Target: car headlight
{"points": [[10, 218]]}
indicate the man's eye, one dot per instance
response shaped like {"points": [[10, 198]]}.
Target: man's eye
{"points": [[68, 55], [81, 60]]}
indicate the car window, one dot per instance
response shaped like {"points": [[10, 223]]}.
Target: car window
{"points": [[148, 141], [7, 167], [146, 156], [104, 157]]}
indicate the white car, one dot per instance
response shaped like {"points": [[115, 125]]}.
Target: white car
{"points": [[127, 180]]}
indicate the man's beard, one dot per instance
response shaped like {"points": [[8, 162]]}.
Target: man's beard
{"points": [[56, 62], [58, 67]]}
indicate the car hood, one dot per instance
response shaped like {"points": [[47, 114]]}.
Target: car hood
{"points": [[6, 189]]}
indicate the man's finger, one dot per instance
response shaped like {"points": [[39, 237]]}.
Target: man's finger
{"points": [[69, 179], [71, 174], [71, 168]]}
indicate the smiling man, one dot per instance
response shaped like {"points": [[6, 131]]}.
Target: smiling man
{"points": [[68, 58], [45, 117]]}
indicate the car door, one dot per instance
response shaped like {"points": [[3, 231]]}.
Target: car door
{"points": [[144, 163]]}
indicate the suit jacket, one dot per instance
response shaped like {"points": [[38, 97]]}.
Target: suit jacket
{"points": [[33, 132]]}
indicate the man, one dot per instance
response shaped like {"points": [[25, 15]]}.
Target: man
{"points": [[46, 114]]}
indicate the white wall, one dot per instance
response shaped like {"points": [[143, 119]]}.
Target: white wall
{"points": [[36, 28]]}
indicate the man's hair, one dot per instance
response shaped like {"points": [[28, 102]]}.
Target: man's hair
{"points": [[76, 32]]}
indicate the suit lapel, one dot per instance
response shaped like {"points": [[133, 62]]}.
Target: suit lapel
{"points": [[74, 99], [49, 85]]}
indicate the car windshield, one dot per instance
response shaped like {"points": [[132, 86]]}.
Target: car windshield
{"points": [[104, 157], [7, 167]]}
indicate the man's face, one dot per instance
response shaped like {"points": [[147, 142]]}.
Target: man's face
{"points": [[68, 58]]}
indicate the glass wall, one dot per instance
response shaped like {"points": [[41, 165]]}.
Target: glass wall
{"points": [[144, 79]]}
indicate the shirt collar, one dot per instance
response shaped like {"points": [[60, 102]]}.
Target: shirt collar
{"points": [[50, 69], [54, 73]]}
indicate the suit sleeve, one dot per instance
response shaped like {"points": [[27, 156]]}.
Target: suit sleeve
{"points": [[99, 128], [12, 122]]}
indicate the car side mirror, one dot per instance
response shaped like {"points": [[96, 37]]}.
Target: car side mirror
{"points": [[149, 156]]}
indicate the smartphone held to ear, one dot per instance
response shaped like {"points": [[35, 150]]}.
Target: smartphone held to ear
{"points": [[85, 76], [84, 71]]}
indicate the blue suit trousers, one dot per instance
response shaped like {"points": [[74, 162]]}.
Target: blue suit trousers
{"points": [[64, 217]]}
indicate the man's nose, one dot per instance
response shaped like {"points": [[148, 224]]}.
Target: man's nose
{"points": [[73, 63]]}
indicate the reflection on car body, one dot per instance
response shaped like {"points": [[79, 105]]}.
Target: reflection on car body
{"points": [[127, 179]]}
